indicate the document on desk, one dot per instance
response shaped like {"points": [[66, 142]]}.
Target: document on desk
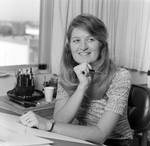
{"points": [[10, 121], [9, 137]]}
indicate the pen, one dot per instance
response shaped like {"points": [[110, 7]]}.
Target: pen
{"points": [[95, 71], [41, 102], [24, 103]]}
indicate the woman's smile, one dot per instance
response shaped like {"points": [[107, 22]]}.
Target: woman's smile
{"points": [[84, 53]]}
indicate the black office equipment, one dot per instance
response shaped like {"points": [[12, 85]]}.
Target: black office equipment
{"points": [[139, 113]]}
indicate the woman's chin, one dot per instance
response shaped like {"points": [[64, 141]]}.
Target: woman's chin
{"points": [[83, 61]]}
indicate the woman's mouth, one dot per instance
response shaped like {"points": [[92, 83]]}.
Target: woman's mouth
{"points": [[84, 53]]}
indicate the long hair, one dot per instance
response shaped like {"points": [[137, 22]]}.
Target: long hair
{"points": [[100, 82]]}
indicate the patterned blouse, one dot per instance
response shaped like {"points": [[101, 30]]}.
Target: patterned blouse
{"points": [[115, 100]]}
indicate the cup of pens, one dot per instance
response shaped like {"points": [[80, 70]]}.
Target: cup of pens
{"points": [[24, 91], [25, 83]]}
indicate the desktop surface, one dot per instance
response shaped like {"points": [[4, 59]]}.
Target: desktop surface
{"points": [[57, 142]]}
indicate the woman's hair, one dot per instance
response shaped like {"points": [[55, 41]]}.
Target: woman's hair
{"points": [[100, 83]]}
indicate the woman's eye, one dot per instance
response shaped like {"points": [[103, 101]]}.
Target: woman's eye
{"points": [[90, 39], [76, 41]]}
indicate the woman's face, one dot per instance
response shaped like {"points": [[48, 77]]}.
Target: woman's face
{"points": [[84, 47]]}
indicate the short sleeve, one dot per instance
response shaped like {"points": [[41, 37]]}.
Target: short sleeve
{"points": [[118, 92], [61, 93]]}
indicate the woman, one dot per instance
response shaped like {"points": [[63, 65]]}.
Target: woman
{"points": [[89, 105]]}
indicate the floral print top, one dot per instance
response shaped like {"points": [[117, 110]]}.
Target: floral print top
{"points": [[115, 100]]}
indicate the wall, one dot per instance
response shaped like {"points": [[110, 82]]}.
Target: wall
{"points": [[138, 77]]}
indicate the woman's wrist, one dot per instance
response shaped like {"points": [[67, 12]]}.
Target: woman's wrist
{"points": [[82, 87], [52, 124]]}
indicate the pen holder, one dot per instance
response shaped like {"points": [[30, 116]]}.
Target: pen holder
{"points": [[24, 91]]}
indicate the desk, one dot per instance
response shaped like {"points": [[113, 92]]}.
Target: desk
{"points": [[44, 110], [57, 142]]}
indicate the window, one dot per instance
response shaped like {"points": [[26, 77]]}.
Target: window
{"points": [[19, 32]]}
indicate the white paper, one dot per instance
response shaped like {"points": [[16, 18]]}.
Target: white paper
{"points": [[8, 120], [9, 137]]}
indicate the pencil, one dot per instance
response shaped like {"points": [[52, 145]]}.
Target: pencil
{"points": [[95, 71]]}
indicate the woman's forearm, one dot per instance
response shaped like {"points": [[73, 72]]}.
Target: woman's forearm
{"points": [[88, 133], [67, 113]]}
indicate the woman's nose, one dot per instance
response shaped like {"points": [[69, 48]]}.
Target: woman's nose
{"points": [[83, 46]]}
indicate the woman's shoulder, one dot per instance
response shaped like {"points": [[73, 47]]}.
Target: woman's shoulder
{"points": [[122, 72], [122, 77]]}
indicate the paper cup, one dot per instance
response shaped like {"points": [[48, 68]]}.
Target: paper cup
{"points": [[48, 91]]}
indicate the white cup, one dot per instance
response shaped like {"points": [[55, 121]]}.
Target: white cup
{"points": [[49, 91]]}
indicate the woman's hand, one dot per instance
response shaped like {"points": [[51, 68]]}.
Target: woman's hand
{"points": [[30, 119], [83, 74]]}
